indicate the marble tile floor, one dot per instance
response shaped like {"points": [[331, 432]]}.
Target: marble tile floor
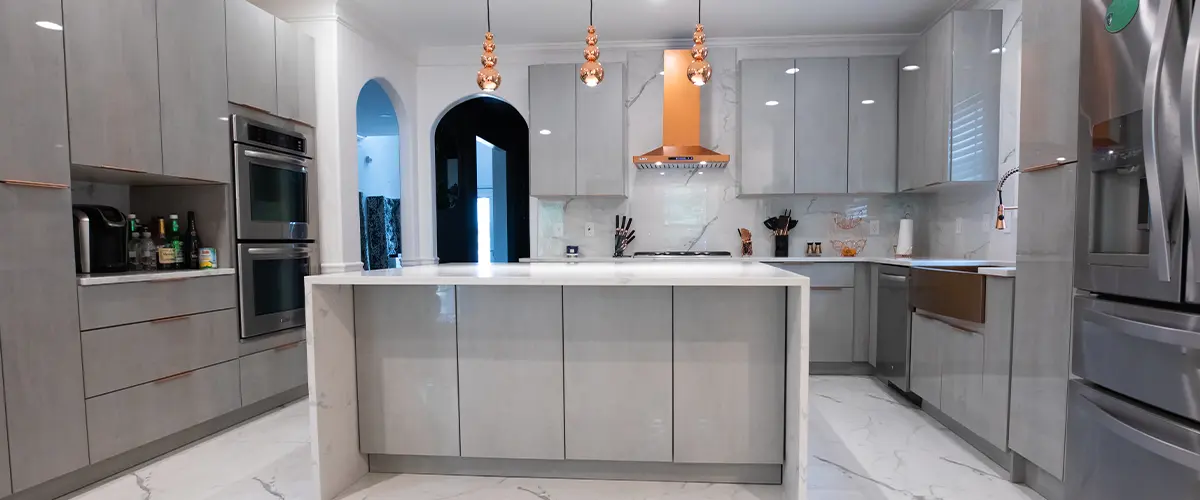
{"points": [[866, 444]]}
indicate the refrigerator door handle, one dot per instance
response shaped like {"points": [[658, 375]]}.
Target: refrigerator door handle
{"points": [[1132, 434], [1162, 183], [1191, 148], [1145, 331]]}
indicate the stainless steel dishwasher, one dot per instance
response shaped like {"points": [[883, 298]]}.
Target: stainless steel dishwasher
{"points": [[893, 327]]}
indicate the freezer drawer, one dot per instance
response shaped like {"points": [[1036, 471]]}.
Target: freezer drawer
{"points": [[1147, 354], [1117, 450]]}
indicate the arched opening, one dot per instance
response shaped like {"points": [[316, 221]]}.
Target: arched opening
{"points": [[378, 177], [481, 162]]}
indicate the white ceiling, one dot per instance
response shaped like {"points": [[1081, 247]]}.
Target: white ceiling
{"points": [[425, 23]]}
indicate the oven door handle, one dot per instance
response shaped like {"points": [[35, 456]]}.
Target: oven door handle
{"points": [[1161, 165], [263, 155], [283, 252], [1191, 148]]}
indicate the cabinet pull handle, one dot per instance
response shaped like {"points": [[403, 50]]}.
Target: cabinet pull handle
{"points": [[1048, 166], [256, 108], [829, 287], [34, 184], [940, 320], [285, 347], [171, 280], [169, 320], [123, 169], [174, 377]]}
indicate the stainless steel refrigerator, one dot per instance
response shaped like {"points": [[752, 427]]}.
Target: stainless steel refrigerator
{"points": [[1133, 419]]}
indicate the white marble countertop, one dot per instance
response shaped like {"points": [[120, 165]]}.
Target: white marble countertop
{"points": [[138, 277], [642, 273], [918, 262], [1003, 272]]}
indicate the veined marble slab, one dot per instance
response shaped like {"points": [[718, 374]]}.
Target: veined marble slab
{"points": [[922, 262], [656, 273], [1003, 272], [140, 276]]}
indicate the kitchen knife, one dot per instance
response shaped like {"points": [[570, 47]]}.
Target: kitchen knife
{"points": [[628, 223]]}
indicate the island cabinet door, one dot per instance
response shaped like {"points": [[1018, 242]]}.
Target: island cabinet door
{"points": [[729, 374], [831, 331], [510, 370], [407, 370], [617, 348]]}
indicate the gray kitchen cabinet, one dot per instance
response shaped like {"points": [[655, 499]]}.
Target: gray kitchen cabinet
{"points": [[767, 117], [822, 125], [873, 344], [618, 375], [33, 95], [975, 95], [510, 371], [939, 53], [911, 118], [407, 370], [102, 306], [287, 56], [552, 129], [5, 470], [306, 79], [872, 141], [729, 373], [925, 358], [831, 331], [991, 415], [275, 371], [193, 89], [601, 162], [861, 316], [39, 337], [112, 84], [962, 373], [250, 39]]}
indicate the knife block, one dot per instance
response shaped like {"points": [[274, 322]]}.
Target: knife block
{"points": [[781, 245]]}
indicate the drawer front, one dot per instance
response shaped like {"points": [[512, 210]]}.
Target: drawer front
{"points": [[121, 421], [268, 373], [121, 304], [824, 275], [125, 356]]}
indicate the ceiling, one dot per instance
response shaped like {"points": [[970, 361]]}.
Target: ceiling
{"points": [[425, 23]]}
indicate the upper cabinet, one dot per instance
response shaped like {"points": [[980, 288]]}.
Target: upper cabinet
{"points": [[286, 59], [193, 89], [33, 95], [950, 99], [821, 125], [576, 132], [112, 63], [306, 79], [250, 33]]}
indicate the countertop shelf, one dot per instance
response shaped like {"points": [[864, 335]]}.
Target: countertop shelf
{"points": [[142, 276]]}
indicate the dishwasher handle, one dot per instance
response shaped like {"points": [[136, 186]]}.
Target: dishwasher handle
{"points": [[893, 279]]}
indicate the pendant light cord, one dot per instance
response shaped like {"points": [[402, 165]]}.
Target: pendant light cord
{"points": [[489, 14], [699, 3], [591, 8]]}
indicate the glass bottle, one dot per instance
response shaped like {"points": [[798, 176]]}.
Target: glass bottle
{"points": [[175, 236], [166, 252], [148, 251], [191, 243]]}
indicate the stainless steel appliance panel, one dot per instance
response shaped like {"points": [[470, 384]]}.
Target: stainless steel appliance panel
{"points": [[1117, 450], [1129, 201], [271, 194], [271, 286], [1147, 354], [894, 327]]}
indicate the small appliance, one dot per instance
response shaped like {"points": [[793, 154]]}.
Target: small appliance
{"points": [[101, 239]]}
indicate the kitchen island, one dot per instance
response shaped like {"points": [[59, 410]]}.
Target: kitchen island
{"points": [[650, 371]]}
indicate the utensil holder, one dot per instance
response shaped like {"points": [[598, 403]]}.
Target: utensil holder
{"points": [[781, 245]]}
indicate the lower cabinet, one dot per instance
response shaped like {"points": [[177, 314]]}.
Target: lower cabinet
{"points": [[123, 420], [267, 373], [831, 325], [962, 374], [729, 354], [926, 359], [617, 350], [510, 369]]}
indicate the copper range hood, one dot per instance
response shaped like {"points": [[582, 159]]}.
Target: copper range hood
{"points": [[681, 122]]}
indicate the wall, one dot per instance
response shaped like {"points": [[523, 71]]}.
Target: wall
{"points": [[382, 176]]}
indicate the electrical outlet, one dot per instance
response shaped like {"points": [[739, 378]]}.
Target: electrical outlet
{"points": [[875, 227], [558, 230], [958, 225], [589, 229]]}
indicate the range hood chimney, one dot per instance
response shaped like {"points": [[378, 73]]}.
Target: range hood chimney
{"points": [[681, 122]]}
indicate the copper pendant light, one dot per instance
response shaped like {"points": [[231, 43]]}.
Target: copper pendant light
{"points": [[591, 73], [699, 71], [488, 78]]}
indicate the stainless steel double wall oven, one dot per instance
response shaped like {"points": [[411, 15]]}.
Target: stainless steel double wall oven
{"points": [[271, 167]]}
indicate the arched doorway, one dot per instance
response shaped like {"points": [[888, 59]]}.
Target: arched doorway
{"points": [[378, 177], [481, 162]]}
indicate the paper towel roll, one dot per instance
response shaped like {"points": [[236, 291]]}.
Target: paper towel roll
{"points": [[904, 240]]}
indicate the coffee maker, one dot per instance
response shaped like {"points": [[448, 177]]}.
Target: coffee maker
{"points": [[101, 239]]}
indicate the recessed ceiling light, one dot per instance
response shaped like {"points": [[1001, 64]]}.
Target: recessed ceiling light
{"points": [[224, 118], [662, 73], [385, 115], [911, 67], [662, 173], [1061, 159], [998, 50], [792, 71], [658, 163], [868, 101], [544, 132], [702, 162], [772, 103], [701, 173], [49, 25]]}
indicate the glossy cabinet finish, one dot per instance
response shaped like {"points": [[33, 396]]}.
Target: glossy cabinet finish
{"points": [[601, 159], [510, 369], [5, 470], [767, 132], [33, 95], [991, 417], [112, 85], [250, 37], [872, 141], [617, 364], [831, 328], [286, 70], [822, 125], [193, 89], [123, 303], [926, 358], [939, 53], [551, 95], [39, 337], [407, 370], [729, 375], [975, 96], [911, 118], [306, 79], [962, 373]]}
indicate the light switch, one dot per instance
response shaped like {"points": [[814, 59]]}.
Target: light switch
{"points": [[875, 227]]}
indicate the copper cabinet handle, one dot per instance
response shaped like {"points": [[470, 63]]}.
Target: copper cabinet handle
{"points": [[285, 347], [169, 320], [123, 169], [174, 377], [35, 184]]}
